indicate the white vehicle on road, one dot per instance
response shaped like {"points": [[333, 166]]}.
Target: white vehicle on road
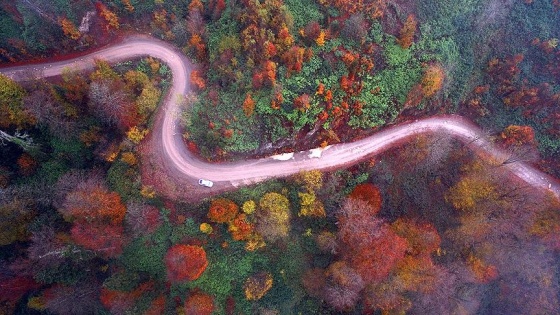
{"points": [[205, 183]]}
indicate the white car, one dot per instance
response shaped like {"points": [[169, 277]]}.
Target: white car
{"points": [[205, 183]]}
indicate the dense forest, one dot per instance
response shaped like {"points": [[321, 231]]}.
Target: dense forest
{"points": [[427, 227]]}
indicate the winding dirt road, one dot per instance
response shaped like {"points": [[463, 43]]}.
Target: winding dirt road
{"points": [[168, 157]]}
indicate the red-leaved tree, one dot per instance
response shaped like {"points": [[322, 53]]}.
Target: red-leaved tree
{"points": [[96, 213], [121, 302], [185, 262], [199, 303], [368, 243], [370, 194], [108, 240], [94, 204], [142, 219]]}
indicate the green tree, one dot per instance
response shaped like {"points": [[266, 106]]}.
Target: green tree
{"points": [[12, 113]]}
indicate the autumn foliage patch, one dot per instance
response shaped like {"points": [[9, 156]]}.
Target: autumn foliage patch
{"points": [[96, 204], [185, 262], [105, 239], [432, 81], [406, 35], [256, 286], [370, 194], [240, 228], [199, 304], [222, 210], [518, 135]]}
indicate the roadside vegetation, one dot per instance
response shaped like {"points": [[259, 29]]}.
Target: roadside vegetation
{"points": [[425, 228]]}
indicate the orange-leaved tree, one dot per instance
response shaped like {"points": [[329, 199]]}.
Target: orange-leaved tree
{"points": [[69, 29], [198, 80], [417, 271], [423, 238], [368, 243], [222, 210], [432, 81], [199, 303], [240, 228], [111, 19], [185, 262], [96, 213], [302, 102], [416, 274], [375, 259], [483, 272], [248, 105], [406, 35], [518, 135], [127, 5], [93, 203]]}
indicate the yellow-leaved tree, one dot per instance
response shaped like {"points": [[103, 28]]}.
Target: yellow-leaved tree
{"points": [[469, 191], [148, 100], [273, 216], [12, 112], [136, 135], [312, 180], [256, 286], [311, 206]]}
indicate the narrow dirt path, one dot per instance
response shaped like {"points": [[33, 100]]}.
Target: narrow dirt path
{"points": [[168, 165]]}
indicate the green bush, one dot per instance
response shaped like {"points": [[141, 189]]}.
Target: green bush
{"points": [[123, 281], [71, 150], [227, 270], [146, 254], [303, 12], [124, 180]]}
